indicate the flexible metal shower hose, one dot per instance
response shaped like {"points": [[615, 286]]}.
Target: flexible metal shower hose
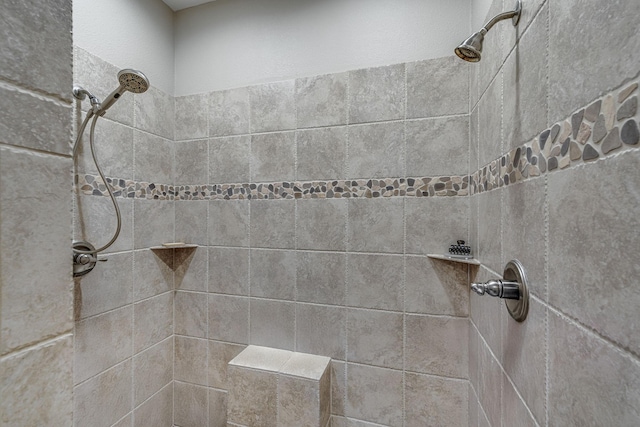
{"points": [[95, 161]]}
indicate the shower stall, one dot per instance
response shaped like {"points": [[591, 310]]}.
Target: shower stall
{"points": [[289, 175]]}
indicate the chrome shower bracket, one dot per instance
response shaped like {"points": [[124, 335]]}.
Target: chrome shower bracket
{"points": [[81, 94], [83, 263], [513, 289]]}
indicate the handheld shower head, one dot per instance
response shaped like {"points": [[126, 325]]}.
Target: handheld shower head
{"points": [[130, 80]]}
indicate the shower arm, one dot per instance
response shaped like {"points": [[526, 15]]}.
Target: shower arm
{"points": [[500, 17]]}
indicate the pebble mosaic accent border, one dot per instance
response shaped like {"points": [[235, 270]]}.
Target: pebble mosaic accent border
{"points": [[607, 126]]}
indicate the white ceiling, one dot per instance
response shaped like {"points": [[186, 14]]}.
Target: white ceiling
{"points": [[177, 5]]}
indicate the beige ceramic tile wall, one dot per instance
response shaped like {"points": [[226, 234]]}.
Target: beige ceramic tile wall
{"points": [[575, 360], [124, 345], [36, 300], [343, 278]]}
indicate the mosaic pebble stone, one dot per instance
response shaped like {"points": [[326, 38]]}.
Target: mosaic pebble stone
{"points": [[556, 151], [565, 147], [628, 109], [555, 130], [564, 163], [630, 134], [599, 129], [575, 153], [593, 111], [609, 112], [553, 163], [566, 130], [624, 94], [584, 133], [542, 163], [544, 137], [589, 153], [611, 142], [576, 121]]}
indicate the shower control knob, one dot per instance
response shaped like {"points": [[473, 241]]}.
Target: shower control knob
{"points": [[498, 288]]}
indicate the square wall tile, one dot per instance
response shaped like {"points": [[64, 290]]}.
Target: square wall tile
{"points": [[153, 370], [322, 153], [229, 159], [375, 281], [433, 401], [113, 143], [42, 62], [273, 324], [190, 314], [191, 269], [593, 224], [490, 390], [229, 271], [109, 286], [101, 342], [578, 77], [376, 225], [220, 354], [321, 100], [514, 409], [153, 222], [434, 223], [437, 87], [375, 338], [490, 123], [321, 277], [374, 394], [229, 222], [191, 162], [191, 360], [273, 106], [154, 112], [437, 345], [273, 274], [191, 404], [217, 408], [490, 229], [273, 224], [273, 157], [603, 389], [42, 375], [105, 398], [36, 299], [154, 157], [252, 397], [191, 117], [157, 411], [376, 151], [299, 402], [191, 221], [322, 224], [52, 132], [153, 321], [95, 221], [229, 318], [376, 94], [153, 274], [435, 286], [438, 147], [321, 330], [229, 112]]}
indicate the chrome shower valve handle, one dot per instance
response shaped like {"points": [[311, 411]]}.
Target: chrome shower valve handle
{"points": [[498, 288]]}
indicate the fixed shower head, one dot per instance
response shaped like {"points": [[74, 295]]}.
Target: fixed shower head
{"points": [[130, 80], [471, 49]]}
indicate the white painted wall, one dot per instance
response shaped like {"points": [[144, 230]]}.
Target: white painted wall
{"points": [[129, 34], [233, 43], [479, 10]]}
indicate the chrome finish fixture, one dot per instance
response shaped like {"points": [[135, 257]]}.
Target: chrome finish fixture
{"points": [[84, 258], [130, 80], [81, 94], [513, 289], [471, 49]]}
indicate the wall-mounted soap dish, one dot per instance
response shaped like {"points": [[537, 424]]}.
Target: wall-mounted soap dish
{"points": [[174, 245], [455, 258]]}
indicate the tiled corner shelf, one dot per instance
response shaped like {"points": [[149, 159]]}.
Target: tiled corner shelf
{"points": [[166, 246], [471, 261]]}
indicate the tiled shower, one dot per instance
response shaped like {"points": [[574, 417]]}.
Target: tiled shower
{"points": [[313, 202]]}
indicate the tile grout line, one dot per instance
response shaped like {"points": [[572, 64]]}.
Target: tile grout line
{"points": [[404, 260]]}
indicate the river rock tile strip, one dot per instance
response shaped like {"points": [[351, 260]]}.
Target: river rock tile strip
{"points": [[606, 126]]}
